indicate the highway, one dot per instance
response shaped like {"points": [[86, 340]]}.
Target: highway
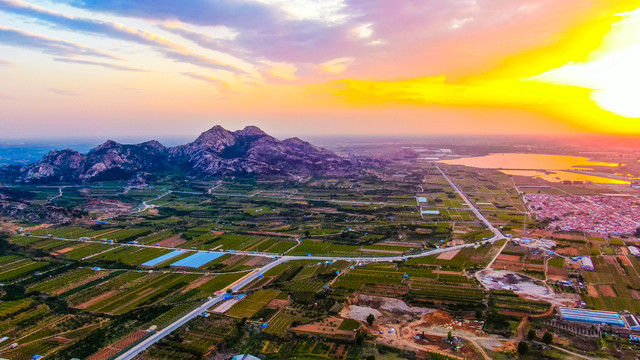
{"points": [[475, 210]]}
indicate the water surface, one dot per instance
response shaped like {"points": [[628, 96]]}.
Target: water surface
{"points": [[548, 167]]}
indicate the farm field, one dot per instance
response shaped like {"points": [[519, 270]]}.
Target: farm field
{"points": [[102, 286]]}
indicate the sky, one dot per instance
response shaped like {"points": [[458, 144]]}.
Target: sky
{"points": [[92, 68]]}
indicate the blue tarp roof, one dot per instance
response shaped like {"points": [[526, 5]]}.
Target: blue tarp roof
{"points": [[163, 258], [197, 260]]}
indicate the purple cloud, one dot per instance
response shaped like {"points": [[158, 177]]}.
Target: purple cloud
{"points": [[108, 29], [99, 63], [48, 45]]}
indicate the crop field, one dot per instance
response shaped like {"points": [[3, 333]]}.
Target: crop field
{"points": [[34, 327], [252, 303], [324, 248], [155, 238], [130, 255], [622, 283], [131, 290], [87, 249], [124, 235], [279, 324], [12, 307], [509, 301], [198, 334], [67, 281], [231, 242], [466, 257], [217, 283], [66, 233], [20, 268], [308, 286]]}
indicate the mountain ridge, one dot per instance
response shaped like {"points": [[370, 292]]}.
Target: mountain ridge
{"points": [[216, 152]]}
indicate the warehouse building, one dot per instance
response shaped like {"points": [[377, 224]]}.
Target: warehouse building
{"points": [[592, 316]]}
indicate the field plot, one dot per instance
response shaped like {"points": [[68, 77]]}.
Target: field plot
{"points": [[124, 235], [211, 286], [324, 248], [39, 330], [279, 324], [254, 302], [67, 281], [137, 291], [87, 249], [130, 255], [20, 268], [199, 337]]}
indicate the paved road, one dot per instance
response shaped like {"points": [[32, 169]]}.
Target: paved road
{"points": [[473, 207]]}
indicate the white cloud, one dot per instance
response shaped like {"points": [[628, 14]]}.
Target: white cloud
{"points": [[329, 11], [458, 23], [282, 70], [364, 31], [336, 65]]}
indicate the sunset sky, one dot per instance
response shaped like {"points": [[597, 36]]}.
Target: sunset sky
{"points": [[296, 67]]}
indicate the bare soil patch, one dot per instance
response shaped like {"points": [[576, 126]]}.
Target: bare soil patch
{"points": [[607, 290], [98, 299], [172, 241], [195, 284], [256, 260], [556, 273], [278, 304], [625, 261], [115, 348], [448, 255], [592, 291], [568, 251], [447, 272], [380, 251]]}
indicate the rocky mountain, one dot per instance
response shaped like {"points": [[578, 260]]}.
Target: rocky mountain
{"points": [[216, 152]]}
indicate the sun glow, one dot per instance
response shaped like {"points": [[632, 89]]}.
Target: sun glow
{"points": [[613, 70]]}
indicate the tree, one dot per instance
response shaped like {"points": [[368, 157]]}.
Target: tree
{"points": [[370, 319], [449, 336], [547, 338], [531, 335], [371, 357], [523, 348]]}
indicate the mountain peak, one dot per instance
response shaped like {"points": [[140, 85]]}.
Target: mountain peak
{"points": [[109, 144], [251, 131]]}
